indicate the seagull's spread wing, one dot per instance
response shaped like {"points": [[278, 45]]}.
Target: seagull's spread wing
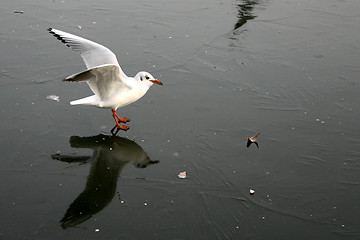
{"points": [[104, 80], [92, 53]]}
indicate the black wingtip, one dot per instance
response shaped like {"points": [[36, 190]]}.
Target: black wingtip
{"points": [[60, 38]]}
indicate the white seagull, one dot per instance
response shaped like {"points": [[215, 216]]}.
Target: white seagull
{"points": [[111, 87]]}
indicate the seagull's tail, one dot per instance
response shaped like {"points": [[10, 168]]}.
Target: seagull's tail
{"points": [[91, 100]]}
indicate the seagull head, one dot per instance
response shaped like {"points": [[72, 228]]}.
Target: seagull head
{"points": [[147, 79]]}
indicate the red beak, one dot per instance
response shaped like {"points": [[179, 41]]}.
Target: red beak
{"points": [[156, 82]]}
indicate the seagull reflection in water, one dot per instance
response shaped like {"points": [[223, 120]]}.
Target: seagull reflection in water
{"points": [[111, 154]]}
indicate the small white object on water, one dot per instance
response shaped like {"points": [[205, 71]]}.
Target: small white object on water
{"points": [[252, 191], [53, 97], [145, 204], [182, 175], [97, 230]]}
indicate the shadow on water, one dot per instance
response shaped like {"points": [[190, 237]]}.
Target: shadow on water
{"points": [[111, 154], [245, 12]]}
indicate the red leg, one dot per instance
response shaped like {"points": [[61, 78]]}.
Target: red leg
{"points": [[118, 119], [124, 119], [123, 127]]}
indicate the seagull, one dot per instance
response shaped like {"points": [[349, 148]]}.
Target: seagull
{"points": [[112, 88]]}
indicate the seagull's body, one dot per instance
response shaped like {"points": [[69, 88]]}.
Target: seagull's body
{"points": [[111, 87]]}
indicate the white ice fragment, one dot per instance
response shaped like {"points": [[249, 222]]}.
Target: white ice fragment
{"points": [[53, 97], [182, 175]]}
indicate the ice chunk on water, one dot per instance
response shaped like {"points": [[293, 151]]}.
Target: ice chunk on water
{"points": [[53, 97], [182, 175]]}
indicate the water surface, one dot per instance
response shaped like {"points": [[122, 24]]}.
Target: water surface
{"points": [[231, 69]]}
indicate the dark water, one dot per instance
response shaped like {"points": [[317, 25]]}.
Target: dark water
{"points": [[231, 69]]}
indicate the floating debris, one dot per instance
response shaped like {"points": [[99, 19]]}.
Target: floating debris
{"points": [[97, 230], [182, 175], [253, 140], [252, 191], [53, 97], [20, 12]]}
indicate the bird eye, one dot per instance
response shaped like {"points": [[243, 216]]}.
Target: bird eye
{"points": [[147, 77], [141, 78]]}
